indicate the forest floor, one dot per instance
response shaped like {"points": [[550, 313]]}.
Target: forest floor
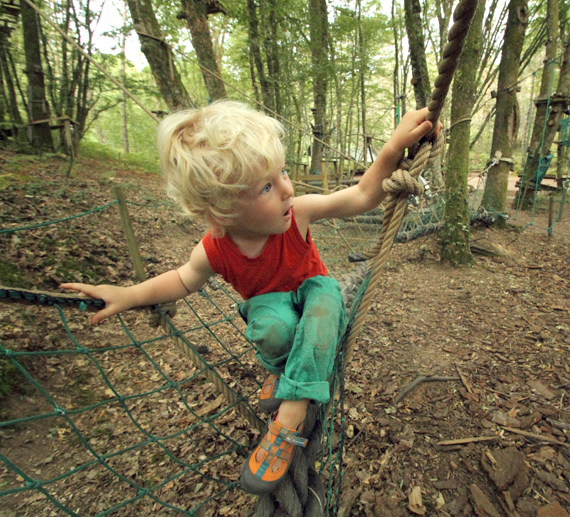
{"points": [[490, 439]]}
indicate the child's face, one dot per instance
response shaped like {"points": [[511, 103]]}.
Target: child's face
{"points": [[265, 209]]}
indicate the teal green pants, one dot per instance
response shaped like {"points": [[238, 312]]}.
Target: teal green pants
{"points": [[296, 335]]}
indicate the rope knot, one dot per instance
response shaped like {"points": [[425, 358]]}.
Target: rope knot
{"points": [[402, 181]]}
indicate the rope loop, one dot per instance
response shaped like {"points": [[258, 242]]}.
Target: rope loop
{"points": [[402, 181], [406, 164]]}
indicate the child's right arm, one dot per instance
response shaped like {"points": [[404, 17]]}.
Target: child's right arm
{"points": [[167, 287]]}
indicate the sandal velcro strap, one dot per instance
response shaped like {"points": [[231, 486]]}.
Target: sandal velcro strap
{"points": [[287, 435]]}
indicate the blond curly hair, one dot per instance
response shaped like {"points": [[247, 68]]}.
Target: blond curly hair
{"points": [[210, 155]]}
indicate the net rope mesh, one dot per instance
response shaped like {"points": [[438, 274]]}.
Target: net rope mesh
{"points": [[114, 419]]}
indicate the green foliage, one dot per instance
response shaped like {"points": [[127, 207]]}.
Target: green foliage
{"points": [[112, 153]]}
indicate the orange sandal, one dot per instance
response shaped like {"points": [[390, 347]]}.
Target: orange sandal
{"points": [[257, 477], [267, 401]]}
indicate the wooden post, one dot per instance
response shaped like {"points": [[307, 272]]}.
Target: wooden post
{"points": [[337, 174], [67, 134], [550, 211], [130, 234], [324, 175]]}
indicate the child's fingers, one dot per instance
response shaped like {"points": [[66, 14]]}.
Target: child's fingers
{"points": [[101, 315], [422, 129], [84, 289]]}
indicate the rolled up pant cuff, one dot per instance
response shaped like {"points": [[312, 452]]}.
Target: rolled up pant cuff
{"points": [[291, 390]]}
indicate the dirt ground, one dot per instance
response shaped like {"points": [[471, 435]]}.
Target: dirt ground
{"points": [[486, 431]]}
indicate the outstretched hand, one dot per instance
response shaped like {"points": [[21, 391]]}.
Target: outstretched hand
{"points": [[115, 298], [412, 128]]}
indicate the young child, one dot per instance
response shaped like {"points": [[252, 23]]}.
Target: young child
{"points": [[224, 164]]}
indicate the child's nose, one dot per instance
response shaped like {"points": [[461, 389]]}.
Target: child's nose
{"points": [[287, 188]]}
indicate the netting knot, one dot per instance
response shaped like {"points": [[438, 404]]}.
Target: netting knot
{"points": [[8, 352], [82, 350], [402, 181], [144, 491], [33, 483], [59, 410], [82, 306]]}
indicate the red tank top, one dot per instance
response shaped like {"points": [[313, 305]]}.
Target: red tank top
{"points": [[284, 264]]}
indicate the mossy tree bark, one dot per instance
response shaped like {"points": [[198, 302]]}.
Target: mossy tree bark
{"points": [[38, 106], [454, 238], [318, 23], [196, 15], [506, 117], [159, 55]]}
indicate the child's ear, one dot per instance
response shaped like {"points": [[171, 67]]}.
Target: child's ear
{"points": [[217, 231]]}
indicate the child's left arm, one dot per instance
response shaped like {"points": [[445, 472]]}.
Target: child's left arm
{"points": [[368, 193]]}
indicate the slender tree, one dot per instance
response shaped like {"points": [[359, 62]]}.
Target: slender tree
{"points": [[318, 24], [455, 234], [9, 91], [506, 118], [39, 112], [255, 53], [124, 121], [271, 44]]}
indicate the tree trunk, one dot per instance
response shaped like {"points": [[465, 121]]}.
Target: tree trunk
{"points": [[420, 79], [64, 104], [396, 73], [159, 55], [195, 12], [253, 79], [362, 78], [455, 235], [123, 95], [444, 10], [543, 131], [255, 52], [272, 55], [37, 102], [318, 23], [506, 117], [9, 89]]}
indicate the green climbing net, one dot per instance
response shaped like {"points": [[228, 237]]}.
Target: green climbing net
{"points": [[114, 419]]}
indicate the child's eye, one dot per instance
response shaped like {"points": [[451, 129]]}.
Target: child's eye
{"points": [[283, 172], [266, 189]]}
